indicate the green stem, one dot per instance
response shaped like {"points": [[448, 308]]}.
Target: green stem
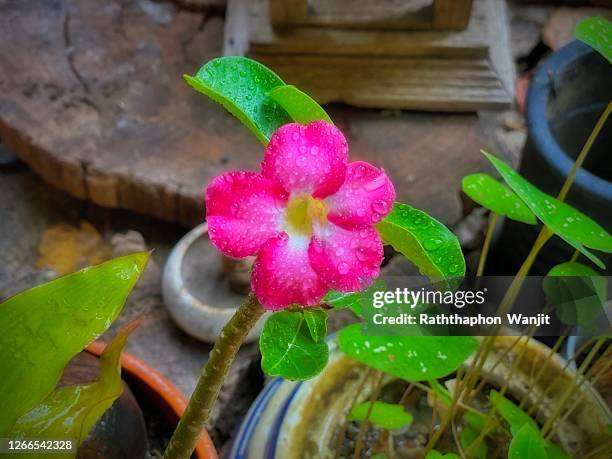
{"points": [[584, 152], [192, 422], [486, 244]]}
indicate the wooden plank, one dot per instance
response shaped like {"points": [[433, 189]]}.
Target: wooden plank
{"points": [[408, 83], [473, 41], [451, 14], [285, 13]]}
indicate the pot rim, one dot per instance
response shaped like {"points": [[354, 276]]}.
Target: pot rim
{"points": [[540, 133], [167, 393]]}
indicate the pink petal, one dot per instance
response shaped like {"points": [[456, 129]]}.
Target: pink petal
{"points": [[243, 210], [348, 261], [282, 274], [307, 158], [365, 197]]}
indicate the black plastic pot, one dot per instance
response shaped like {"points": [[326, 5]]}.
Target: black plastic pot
{"points": [[567, 96]]}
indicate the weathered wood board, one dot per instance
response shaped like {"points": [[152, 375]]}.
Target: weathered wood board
{"points": [[92, 98]]}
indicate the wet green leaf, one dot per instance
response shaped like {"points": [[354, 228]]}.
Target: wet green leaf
{"points": [[288, 349], [353, 300], [426, 242], [384, 415], [42, 328], [527, 443], [467, 437], [597, 33], [555, 452], [72, 411], [511, 413], [300, 106], [433, 454], [316, 319], [489, 193], [577, 292], [569, 224], [413, 358], [242, 85]]}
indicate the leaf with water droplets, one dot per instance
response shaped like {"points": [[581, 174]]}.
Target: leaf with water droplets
{"points": [[353, 300], [577, 292], [288, 348], [413, 358], [241, 85], [527, 443], [41, 329], [316, 319], [597, 33], [381, 414], [569, 224], [72, 411], [300, 106], [426, 242], [489, 193]]}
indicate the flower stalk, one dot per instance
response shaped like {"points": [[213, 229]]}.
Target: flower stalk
{"points": [[192, 422]]}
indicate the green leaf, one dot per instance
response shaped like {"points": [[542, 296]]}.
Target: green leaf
{"points": [[384, 415], [288, 349], [316, 319], [433, 454], [489, 193], [300, 106], [242, 85], [569, 224], [555, 452], [577, 292], [72, 411], [511, 413], [472, 420], [467, 437], [597, 33], [41, 329], [430, 245], [413, 358], [379, 456], [527, 443], [353, 300]]}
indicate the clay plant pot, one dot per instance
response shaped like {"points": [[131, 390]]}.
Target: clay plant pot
{"points": [[167, 400], [300, 420], [566, 97]]}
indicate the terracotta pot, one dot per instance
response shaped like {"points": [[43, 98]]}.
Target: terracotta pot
{"points": [[298, 420], [170, 401]]}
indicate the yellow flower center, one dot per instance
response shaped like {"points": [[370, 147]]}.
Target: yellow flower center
{"points": [[303, 211]]}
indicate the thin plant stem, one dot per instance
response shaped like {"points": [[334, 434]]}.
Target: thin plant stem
{"points": [[575, 255], [184, 439], [365, 424], [572, 387], [486, 244], [584, 152]]}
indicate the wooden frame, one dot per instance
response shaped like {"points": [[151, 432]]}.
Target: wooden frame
{"points": [[439, 14]]}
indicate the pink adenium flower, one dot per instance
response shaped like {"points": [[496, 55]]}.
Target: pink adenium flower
{"points": [[308, 217]]}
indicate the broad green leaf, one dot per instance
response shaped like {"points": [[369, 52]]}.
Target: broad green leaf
{"points": [[597, 33], [288, 349], [384, 415], [72, 411], [489, 193], [242, 85], [413, 358], [472, 420], [555, 452], [300, 106], [467, 437], [353, 300], [41, 329], [577, 292], [433, 454], [379, 456], [511, 413], [316, 319], [527, 443], [426, 242], [569, 224]]}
